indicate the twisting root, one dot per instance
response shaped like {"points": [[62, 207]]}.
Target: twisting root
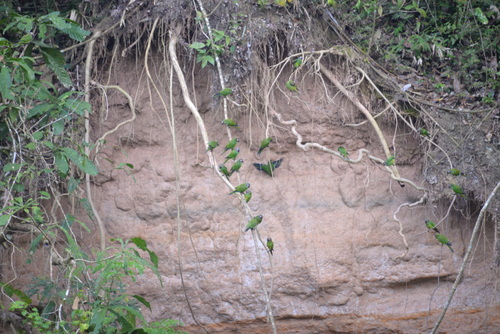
{"points": [[422, 200], [132, 110]]}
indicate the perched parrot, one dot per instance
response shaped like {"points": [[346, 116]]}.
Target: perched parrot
{"points": [[236, 166], [431, 225], [231, 144], [230, 122], [458, 190], [248, 196], [444, 240], [241, 188], [291, 86], [224, 92], [390, 161], [456, 172], [269, 167], [344, 153], [232, 155], [297, 62], [423, 132], [270, 245], [264, 143], [212, 145], [224, 170], [252, 223]]}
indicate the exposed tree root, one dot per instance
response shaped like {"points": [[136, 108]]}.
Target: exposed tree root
{"points": [[88, 66], [473, 238]]}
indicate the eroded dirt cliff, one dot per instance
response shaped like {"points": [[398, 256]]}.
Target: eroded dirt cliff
{"points": [[340, 263]]}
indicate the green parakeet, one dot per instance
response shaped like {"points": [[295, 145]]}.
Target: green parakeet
{"points": [[457, 190], [232, 155], [431, 225], [269, 167], [212, 145], [423, 132], [270, 245], [291, 86], [248, 196], [224, 170], [236, 166], [241, 188], [344, 153], [390, 161], [230, 122], [444, 240], [252, 224], [297, 62], [231, 144], [264, 143], [456, 172], [224, 92]]}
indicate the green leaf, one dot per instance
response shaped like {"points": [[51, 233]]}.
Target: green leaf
{"points": [[143, 301], [34, 244], [56, 62], [81, 162], [38, 135], [72, 184], [61, 163], [4, 219], [11, 167], [140, 243], [69, 27], [44, 194], [58, 127], [153, 258], [480, 15], [5, 81], [197, 46], [25, 39], [78, 106], [41, 108]]}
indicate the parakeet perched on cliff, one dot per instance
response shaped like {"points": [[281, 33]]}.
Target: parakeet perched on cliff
{"points": [[212, 145], [225, 92], [444, 240], [390, 161], [297, 62], [291, 86], [247, 195], [264, 143], [423, 132], [252, 223], [231, 144], [232, 155], [343, 151], [236, 166], [224, 170], [456, 172], [270, 245], [230, 122], [241, 188], [269, 167], [431, 225], [457, 190]]}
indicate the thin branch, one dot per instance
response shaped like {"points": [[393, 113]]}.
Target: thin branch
{"points": [[473, 238]]}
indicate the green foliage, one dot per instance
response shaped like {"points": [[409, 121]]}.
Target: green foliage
{"points": [[99, 291], [206, 51], [461, 36], [42, 155]]}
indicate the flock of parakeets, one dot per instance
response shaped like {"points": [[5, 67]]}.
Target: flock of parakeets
{"points": [[243, 188], [439, 236]]}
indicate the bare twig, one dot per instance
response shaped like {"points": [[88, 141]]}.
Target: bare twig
{"points": [[473, 238]]}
